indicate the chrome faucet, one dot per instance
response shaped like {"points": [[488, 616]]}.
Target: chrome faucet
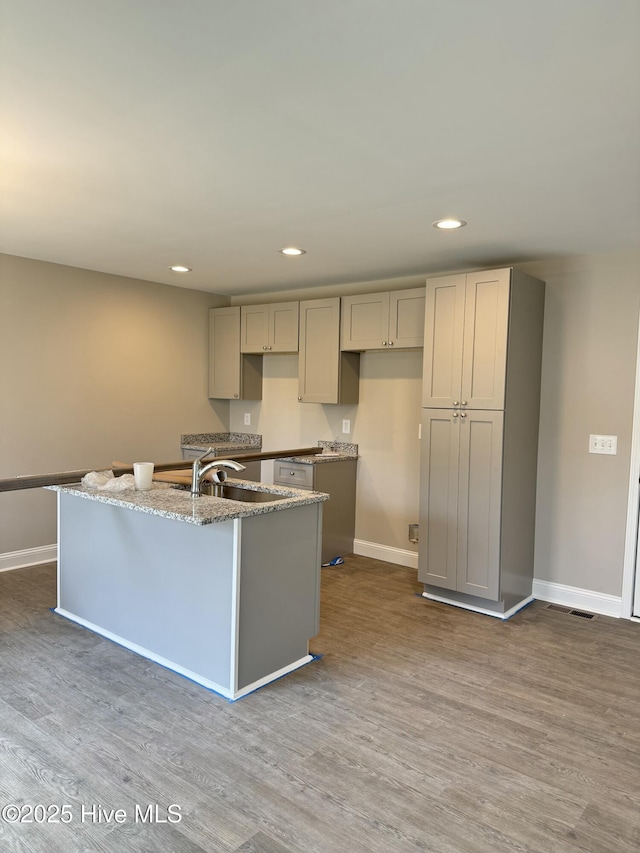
{"points": [[200, 471]]}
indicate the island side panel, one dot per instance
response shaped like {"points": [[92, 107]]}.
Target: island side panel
{"points": [[158, 583], [279, 590]]}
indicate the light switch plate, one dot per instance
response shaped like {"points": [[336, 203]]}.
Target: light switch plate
{"points": [[607, 444], [247, 418], [346, 426]]}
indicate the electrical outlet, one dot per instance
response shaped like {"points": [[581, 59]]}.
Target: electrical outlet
{"points": [[603, 444], [346, 426], [247, 418]]}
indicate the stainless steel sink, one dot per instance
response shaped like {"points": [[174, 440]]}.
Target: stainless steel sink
{"points": [[238, 493]]}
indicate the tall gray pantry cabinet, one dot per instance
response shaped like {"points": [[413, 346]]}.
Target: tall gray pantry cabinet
{"points": [[481, 403]]}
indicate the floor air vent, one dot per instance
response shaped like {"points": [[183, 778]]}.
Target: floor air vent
{"points": [[560, 609]]}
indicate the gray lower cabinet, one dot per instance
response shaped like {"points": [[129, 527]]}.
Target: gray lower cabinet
{"points": [[232, 374], [338, 480], [387, 320], [461, 489], [325, 374]]}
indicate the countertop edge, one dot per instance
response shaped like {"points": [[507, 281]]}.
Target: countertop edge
{"points": [[179, 505], [319, 459]]}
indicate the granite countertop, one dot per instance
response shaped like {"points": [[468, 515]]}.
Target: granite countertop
{"points": [[220, 441], [178, 505], [332, 451]]}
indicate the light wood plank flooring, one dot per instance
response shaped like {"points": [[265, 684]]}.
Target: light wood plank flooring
{"points": [[422, 727]]}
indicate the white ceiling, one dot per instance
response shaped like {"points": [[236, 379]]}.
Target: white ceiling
{"points": [[135, 134]]}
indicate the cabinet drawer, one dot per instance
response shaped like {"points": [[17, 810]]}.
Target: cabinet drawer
{"points": [[293, 474]]}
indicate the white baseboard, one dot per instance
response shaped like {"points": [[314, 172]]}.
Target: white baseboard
{"points": [[385, 553], [28, 557], [582, 599], [228, 693], [485, 611]]}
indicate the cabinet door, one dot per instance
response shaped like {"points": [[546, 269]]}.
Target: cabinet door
{"points": [[443, 335], [406, 318], [479, 503], [269, 328], [439, 498], [365, 322], [254, 328], [283, 327], [485, 339], [224, 352], [325, 375]]}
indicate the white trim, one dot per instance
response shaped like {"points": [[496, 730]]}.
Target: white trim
{"points": [[506, 615], [28, 557], [168, 664], [267, 679], [58, 573], [235, 606], [385, 553], [630, 566], [583, 599]]}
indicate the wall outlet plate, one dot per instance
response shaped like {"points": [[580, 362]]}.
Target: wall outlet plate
{"points": [[607, 444], [346, 426], [247, 418]]}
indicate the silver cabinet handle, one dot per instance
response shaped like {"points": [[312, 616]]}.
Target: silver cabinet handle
{"points": [[299, 399], [463, 414], [384, 343], [455, 414], [268, 347], [456, 402], [263, 347], [390, 343], [235, 395], [463, 403]]}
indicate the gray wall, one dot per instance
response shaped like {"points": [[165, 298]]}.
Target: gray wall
{"points": [[384, 424], [589, 363], [93, 368], [588, 382], [72, 366]]}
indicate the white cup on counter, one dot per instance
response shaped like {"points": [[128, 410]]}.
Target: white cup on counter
{"points": [[143, 475]]}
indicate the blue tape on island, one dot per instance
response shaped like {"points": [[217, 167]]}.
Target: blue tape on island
{"points": [[314, 657]]}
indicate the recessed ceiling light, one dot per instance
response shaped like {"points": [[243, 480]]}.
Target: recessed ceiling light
{"points": [[292, 250], [180, 268], [449, 224]]}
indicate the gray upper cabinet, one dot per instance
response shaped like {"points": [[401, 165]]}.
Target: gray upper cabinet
{"points": [[325, 374], [269, 328], [383, 320], [465, 345], [232, 375]]}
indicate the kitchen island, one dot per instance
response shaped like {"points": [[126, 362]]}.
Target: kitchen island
{"points": [[224, 592]]}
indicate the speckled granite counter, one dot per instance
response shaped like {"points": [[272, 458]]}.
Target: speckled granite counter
{"points": [[178, 505], [332, 451], [220, 441]]}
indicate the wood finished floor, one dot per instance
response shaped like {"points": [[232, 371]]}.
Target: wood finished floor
{"points": [[422, 727]]}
